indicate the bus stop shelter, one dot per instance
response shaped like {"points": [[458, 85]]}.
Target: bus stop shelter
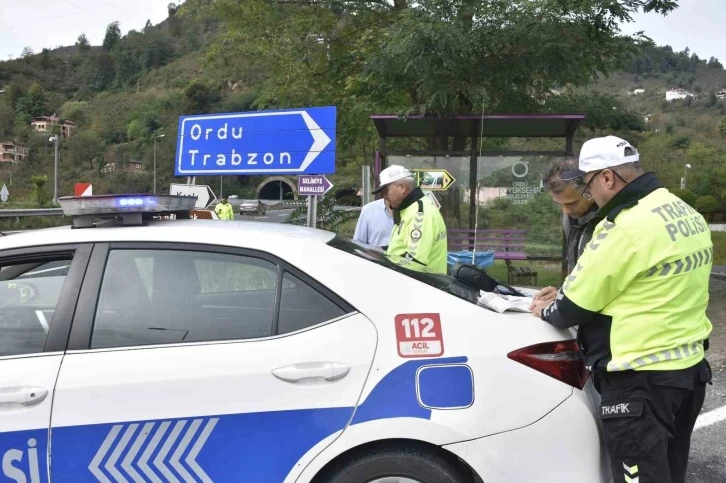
{"points": [[453, 144]]}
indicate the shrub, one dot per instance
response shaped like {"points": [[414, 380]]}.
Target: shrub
{"points": [[686, 195], [707, 204]]}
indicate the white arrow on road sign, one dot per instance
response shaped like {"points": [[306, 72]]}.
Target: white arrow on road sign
{"points": [[320, 140], [204, 193], [4, 193]]}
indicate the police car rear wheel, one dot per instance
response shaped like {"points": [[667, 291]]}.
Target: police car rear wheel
{"points": [[400, 465]]}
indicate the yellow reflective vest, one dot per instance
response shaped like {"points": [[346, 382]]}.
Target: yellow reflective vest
{"points": [[639, 292], [224, 211], [418, 239]]}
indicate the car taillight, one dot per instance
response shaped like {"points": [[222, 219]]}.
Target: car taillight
{"points": [[561, 360]]}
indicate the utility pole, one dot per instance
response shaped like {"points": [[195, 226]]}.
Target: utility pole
{"points": [[56, 139], [159, 136]]}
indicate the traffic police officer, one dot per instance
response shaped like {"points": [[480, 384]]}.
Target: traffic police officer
{"points": [[224, 210], [639, 295], [418, 239]]}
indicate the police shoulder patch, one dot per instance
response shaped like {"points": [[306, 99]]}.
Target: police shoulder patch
{"points": [[416, 234]]}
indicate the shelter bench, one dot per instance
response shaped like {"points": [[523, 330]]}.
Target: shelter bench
{"points": [[507, 245]]}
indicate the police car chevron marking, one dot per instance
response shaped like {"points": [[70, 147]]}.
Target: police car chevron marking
{"points": [[163, 463]]}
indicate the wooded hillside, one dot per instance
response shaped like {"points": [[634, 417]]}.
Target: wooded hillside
{"points": [[365, 56]]}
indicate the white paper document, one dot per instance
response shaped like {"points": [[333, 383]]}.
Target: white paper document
{"points": [[502, 303]]}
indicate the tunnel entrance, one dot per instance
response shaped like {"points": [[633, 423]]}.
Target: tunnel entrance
{"points": [[276, 188]]}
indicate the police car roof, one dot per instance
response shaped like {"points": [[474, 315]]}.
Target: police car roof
{"points": [[227, 233]]}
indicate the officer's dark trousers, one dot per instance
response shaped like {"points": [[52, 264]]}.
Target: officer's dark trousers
{"points": [[647, 419]]}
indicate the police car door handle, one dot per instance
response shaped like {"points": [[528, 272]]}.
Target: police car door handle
{"points": [[329, 371], [26, 396]]}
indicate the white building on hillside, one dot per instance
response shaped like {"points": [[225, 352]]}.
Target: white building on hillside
{"points": [[638, 91], [673, 94], [721, 94]]}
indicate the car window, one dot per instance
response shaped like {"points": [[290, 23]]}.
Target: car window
{"points": [[169, 296], [29, 294], [440, 281], [302, 306]]}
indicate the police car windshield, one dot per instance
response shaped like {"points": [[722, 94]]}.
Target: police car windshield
{"points": [[442, 282]]}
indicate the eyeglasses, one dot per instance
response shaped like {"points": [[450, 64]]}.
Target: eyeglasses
{"points": [[586, 190]]}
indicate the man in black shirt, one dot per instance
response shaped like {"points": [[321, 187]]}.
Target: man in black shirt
{"points": [[579, 215]]}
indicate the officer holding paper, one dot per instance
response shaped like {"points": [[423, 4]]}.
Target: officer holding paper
{"points": [[639, 295]]}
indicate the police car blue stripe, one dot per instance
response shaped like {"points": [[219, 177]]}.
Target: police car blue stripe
{"points": [[395, 395], [24, 456], [261, 447]]}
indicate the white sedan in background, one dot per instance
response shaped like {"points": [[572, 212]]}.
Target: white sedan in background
{"points": [[149, 350]]}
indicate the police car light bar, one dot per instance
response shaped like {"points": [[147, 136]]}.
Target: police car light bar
{"points": [[130, 208]]}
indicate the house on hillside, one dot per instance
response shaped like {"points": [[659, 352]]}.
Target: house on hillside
{"points": [[721, 94], [132, 166], [673, 94], [46, 123], [638, 91], [12, 153]]}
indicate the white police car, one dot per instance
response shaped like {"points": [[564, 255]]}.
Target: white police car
{"points": [[204, 351]]}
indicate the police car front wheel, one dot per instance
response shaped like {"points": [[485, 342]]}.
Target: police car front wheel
{"points": [[404, 465]]}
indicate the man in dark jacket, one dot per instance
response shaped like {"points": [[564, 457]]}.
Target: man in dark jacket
{"points": [[579, 215]]}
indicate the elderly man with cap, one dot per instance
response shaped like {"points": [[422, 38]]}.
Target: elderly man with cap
{"points": [[418, 239], [639, 294]]}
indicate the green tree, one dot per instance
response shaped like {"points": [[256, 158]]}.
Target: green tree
{"points": [[199, 98], [6, 121], [714, 63], [21, 127], [428, 56], [83, 44], [39, 191], [34, 102], [681, 141], [723, 196], [14, 92], [686, 195], [105, 72], [707, 204], [112, 37], [136, 131], [27, 52], [84, 148], [173, 22]]}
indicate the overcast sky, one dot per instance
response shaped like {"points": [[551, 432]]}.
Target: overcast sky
{"points": [[698, 24], [53, 23]]}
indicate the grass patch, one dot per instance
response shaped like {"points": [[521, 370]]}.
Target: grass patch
{"points": [[719, 247], [543, 249], [548, 273]]}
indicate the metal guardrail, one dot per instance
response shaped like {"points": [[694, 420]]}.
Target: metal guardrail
{"points": [[281, 205], [22, 213]]}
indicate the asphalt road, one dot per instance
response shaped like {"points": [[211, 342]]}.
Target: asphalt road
{"points": [[708, 444]]}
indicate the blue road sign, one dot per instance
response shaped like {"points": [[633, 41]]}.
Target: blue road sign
{"points": [[289, 141]]}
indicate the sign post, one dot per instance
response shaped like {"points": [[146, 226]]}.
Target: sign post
{"points": [[366, 186], [204, 193], [312, 187], [4, 193]]}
